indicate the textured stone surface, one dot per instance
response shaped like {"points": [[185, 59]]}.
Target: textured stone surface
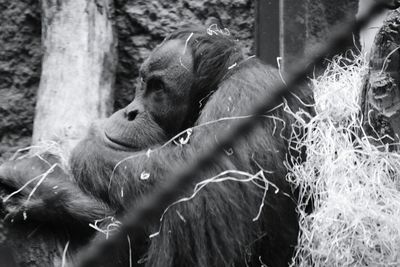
{"points": [[20, 55]]}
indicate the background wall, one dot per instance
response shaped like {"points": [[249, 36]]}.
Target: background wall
{"points": [[20, 55], [325, 16], [310, 23]]}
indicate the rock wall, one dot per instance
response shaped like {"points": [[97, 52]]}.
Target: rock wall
{"points": [[20, 56]]}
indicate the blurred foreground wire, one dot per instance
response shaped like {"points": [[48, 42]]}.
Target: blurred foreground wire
{"points": [[154, 205]]}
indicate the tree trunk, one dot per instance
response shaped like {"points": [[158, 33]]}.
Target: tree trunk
{"points": [[381, 97], [75, 89], [78, 69]]}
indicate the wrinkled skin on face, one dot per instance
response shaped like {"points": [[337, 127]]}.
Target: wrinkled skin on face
{"points": [[158, 110]]}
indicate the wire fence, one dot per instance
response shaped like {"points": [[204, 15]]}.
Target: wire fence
{"points": [[154, 204]]}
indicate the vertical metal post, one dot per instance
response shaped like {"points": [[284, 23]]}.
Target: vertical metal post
{"points": [[268, 30], [293, 30]]}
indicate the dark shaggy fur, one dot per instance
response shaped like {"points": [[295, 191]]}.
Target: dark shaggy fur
{"points": [[215, 228]]}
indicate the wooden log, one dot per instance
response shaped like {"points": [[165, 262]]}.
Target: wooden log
{"points": [[380, 96], [78, 68]]}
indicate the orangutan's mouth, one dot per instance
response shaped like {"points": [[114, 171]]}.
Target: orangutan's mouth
{"points": [[118, 144]]}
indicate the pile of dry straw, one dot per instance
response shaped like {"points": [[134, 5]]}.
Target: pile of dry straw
{"points": [[352, 185]]}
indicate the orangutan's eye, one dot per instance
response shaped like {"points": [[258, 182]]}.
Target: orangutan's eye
{"points": [[155, 84]]}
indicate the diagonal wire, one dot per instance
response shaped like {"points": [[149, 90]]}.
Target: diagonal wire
{"points": [[154, 204]]}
